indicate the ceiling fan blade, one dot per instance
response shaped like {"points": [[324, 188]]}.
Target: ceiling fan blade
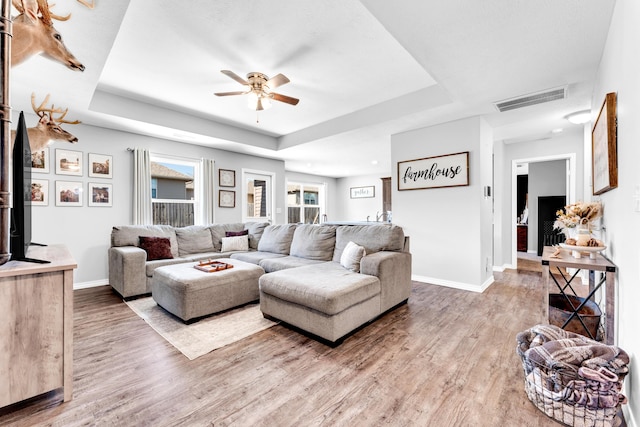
{"points": [[235, 77], [284, 98], [276, 81], [230, 93]]}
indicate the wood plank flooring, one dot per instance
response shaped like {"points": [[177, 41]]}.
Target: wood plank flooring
{"points": [[447, 358]]}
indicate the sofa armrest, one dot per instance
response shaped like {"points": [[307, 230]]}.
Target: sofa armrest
{"points": [[127, 270], [394, 271]]}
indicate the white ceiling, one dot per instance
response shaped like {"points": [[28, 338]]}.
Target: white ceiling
{"points": [[363, 70]]}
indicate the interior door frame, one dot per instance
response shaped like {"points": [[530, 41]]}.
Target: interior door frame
{"points": [[570, 159]]}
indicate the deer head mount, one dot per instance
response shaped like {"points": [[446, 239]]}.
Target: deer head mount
{"points": [[48, 128], [34, 33]]}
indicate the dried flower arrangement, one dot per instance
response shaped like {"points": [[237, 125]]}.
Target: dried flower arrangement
{"points": [[575, 214]]}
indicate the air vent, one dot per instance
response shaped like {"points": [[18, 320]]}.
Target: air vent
{"points": [[532, 99]]}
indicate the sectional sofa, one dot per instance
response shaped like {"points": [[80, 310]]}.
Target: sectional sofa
{"points": [[325, 280]]}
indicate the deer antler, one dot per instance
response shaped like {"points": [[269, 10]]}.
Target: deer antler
{"points": [[41, 111], [87, 4], [43, 6]]}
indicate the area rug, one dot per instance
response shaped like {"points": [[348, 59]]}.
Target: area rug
{"points": [[205, 335]]}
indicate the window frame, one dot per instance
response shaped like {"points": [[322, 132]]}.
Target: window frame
{"points": [[196, 200]]}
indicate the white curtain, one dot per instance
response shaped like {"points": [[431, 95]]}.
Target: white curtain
{"points": [[142, 209], [208, 190]]}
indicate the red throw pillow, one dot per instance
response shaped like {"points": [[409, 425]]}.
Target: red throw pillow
{"points": [[236, 233], [156, 247]]}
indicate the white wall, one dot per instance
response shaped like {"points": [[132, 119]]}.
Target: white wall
{"points": [[505, 154], [618, 72], [86, 230], [450, 228], [349, 209]]}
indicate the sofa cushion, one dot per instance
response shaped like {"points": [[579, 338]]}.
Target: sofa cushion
{"points": [[156, 247], [326, 287], [276, 264], [150, 266], [277, 239], [256, 229], [194, 239], [254, 257], [315, 242], [374, 238], [128, 235], [351, 257], [218, 231], [235, 243]]}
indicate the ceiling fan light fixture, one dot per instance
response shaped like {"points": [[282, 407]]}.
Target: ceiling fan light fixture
{"points": [[579, 117]]}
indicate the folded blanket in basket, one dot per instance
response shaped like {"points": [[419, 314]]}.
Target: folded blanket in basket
{"points": [[573, 368]]}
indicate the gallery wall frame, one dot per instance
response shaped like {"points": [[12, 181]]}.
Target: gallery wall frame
{"points": [[362, 192], [40, 160], [39, 192], [226, 178], [100, 165], [226, 199], [604, 145], [68, 162], [100, 194], [68, 193], [448, 170]]}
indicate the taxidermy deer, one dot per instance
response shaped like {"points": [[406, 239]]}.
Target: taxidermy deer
{"points": [[33, 33], [48, 128]]}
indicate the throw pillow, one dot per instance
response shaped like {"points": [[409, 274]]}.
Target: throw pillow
{"points": [[351, 257], [236, 233], [156, 247], [235, 243]]}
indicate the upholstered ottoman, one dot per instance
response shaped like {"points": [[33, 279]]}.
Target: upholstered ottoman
{"points": [[325, 300], [190, 293]]}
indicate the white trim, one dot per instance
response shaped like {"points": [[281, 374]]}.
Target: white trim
{"points": [[626, 411], [452, 284], [571, 194], [91, 284], [498, 268]]}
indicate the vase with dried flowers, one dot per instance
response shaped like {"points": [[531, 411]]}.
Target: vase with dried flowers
{"points": [[576, 222]]}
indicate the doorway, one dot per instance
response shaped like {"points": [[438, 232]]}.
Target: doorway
{"points": [[257, 196]]}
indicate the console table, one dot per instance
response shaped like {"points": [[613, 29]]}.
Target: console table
{"points": [[600, 263], [36, 325]]}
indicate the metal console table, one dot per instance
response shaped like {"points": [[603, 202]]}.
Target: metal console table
{"points": [[600, 263]]}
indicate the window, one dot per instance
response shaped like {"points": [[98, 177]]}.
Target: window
{"points": [[257, 202], [174, 191], [305, 203]]}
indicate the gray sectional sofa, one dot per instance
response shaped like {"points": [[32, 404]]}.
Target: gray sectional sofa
{"points": [[312, 280]]}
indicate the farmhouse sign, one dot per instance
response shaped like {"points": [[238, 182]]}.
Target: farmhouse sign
{"points": [[450, 170]]}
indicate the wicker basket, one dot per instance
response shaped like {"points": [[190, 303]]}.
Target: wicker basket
{"points": [[544, 392]]}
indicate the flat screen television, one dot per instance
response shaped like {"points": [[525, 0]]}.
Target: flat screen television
{"points": [[21, 192]]}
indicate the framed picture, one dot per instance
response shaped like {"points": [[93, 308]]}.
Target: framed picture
{"points": [[226, 199], [100, 166], [68, 193], [450, 170], [226, 178], [68, 162], [100, 194], [604, 148], [362, 192], [39, 192], [40, 160]]}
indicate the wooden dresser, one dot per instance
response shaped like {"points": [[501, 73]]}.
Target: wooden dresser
{"points": [[522, 244], [36, 325]]}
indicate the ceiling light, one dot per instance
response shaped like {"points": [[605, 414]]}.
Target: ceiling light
{"points": [[374, 162], [579, 117], [258, 102], [558, 130]]}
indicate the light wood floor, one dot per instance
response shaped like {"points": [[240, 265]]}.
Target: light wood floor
{"points": [[447, 358]]}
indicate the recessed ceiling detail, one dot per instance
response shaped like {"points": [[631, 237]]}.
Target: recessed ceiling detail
{"points": [[531, 99]]}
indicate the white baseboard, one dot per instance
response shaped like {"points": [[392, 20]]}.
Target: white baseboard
{"points": [[92, 284], [452, 284], [498, 268]]}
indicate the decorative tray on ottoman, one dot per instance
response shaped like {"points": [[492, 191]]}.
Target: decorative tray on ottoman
{"points": [[212, 266]]}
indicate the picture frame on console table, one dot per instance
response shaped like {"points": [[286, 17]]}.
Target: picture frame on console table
{"points": [[226, 199], [604, 145]]}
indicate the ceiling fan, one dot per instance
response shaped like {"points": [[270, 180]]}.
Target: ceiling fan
{"points": [[259, 89]]}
